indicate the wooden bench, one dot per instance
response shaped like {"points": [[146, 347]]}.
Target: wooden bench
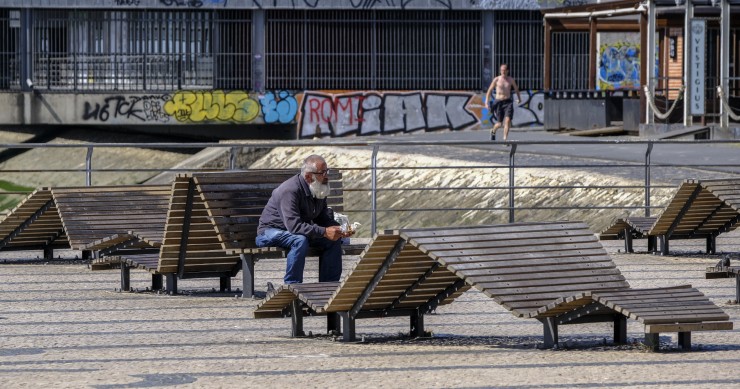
{"points": [[698, 210], [714, 272], [34, 224], [234, 202], [75, 217], [91, 215], [557, 273], [209, 231]]}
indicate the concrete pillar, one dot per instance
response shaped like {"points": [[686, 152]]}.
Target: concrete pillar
{"points": [[258, 50], [724, 70], [689, 14], [650, 58], [489, 68]]}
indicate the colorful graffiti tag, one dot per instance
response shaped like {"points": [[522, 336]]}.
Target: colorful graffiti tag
{"points": [[201, 106], [619, 66], [529, 112], [368, 113]]}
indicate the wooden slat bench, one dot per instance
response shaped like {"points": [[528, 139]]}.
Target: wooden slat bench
{"points": [[557, 273], [234, 202], [209, 230], [726, 272], [700, 209], [630, 228], [91, 215], [34, 224]]}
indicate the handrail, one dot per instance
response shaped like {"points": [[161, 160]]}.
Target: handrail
{"points": [[505, 160]]}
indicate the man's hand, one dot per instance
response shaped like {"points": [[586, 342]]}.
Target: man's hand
{"points": [[333, 233]]}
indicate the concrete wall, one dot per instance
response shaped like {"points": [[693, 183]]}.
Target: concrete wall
{"points": [[311, 113]]}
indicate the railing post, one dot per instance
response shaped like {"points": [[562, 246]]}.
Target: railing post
{"points": [[647, 178], [232, 158], [511, 183], [374, 187], [88, 166]]}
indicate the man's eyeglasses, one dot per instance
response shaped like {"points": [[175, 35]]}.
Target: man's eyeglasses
{"points": [[322, 173]]}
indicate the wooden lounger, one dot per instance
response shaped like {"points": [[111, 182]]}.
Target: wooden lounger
{"points": [[700, 209], [34, 224], [557, 273], [75, 217]]}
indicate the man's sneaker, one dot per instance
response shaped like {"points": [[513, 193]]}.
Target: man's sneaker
{"points": [[270, 287], [493, 135]]}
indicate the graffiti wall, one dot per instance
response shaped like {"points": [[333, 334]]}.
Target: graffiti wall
{"points": [[343, 113], [192, 107], [618, 61], [312, 113]]}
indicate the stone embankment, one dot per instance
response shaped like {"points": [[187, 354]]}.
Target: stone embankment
{"points": [[401, 174]]}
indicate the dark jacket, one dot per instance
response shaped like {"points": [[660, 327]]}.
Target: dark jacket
{"points": [[293, 208]]}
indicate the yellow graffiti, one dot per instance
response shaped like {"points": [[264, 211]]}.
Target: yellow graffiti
{"points": [[200, 106]]}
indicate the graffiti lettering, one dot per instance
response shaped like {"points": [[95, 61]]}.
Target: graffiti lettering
{"points": [[366, 113], [182, 3], [279, 107], [529, 112], [138, 108], [201, 106], [127, 2]]}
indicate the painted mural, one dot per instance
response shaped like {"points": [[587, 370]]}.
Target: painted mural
{"points": [[619, 66]]}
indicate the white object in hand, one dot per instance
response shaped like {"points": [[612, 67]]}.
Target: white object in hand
{"points": [[344, 223]]}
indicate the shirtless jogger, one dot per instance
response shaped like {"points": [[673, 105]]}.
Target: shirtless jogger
{"points": [[503, 105]]}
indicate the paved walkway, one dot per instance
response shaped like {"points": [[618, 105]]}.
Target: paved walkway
{"points": [[63, 326]]}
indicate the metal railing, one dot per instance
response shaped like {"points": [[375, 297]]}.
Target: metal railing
{"points": [[486, 157]]}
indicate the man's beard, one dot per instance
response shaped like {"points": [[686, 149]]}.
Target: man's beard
{"points": [[319, 190]]}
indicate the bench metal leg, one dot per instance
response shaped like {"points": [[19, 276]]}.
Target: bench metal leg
{"points": [[737, 288], [651, 244], [684, 340], [125, 278], [49, 253], [171, 283], [711, 244], [348, 327], [417, 325], [225, 284], [652, 341], [156, 282], [628, 241], [333, 323], [296, 318], [663, 242], [620, 329], [247, 275], [86, 254], [550, 327]]}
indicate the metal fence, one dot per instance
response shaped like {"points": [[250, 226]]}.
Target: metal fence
{"points": [[141, 50], [9, 49], [518, 40], [386, 50], [570, 60], [515, 166]]}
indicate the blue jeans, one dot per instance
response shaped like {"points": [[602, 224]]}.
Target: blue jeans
{"points": [[330, 259]]}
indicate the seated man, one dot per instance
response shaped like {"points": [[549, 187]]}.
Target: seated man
{"points": [[296, 217]]}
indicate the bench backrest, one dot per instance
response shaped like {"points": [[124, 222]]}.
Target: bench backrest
{"points": [[90, 214], [700, 209], [235, 201], [33, 224], [213, 218]]}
